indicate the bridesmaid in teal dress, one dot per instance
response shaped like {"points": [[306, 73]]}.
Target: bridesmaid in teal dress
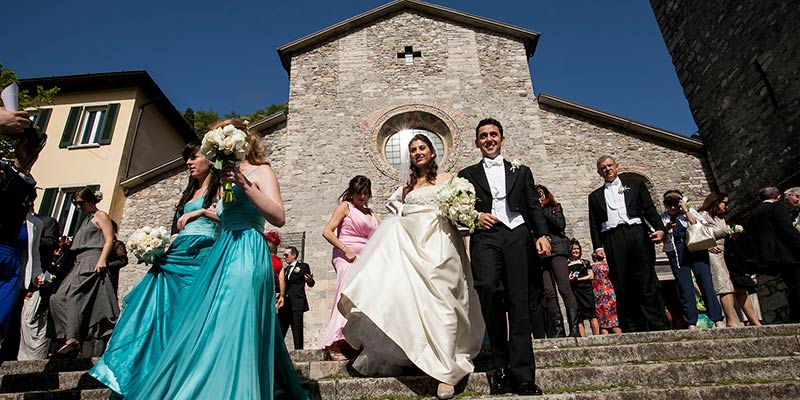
{"points": [[227, 343], [145, 324]]}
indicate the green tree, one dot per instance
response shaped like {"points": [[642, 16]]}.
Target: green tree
{"points": [[266, 112], [200, 120], [26, 101]]}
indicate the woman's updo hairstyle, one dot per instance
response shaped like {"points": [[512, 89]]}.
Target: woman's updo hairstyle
{"points": [[90, 196]]}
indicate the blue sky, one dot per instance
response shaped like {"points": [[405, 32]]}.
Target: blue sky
{"points": [[221, 55]]}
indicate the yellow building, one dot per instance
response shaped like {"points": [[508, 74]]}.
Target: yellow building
{"points": [[109, 131]]}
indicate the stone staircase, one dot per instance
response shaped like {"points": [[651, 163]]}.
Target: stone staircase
{"points": [[740, 363]]}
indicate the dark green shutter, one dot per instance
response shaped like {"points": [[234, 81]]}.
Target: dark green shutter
{"points": [[109, 121], [48, 201], [69, 129], [42, 118]]}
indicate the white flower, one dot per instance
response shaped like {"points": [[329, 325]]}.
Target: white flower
{"points": [[456, 201], [515, 164], [147, 243], [622, 188]]}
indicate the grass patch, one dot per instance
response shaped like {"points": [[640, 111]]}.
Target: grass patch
{"points": [[579, 363], [467, 393], [622, 386]]}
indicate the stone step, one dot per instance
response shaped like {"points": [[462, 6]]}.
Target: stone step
{"points": [[595, 350], [780, 390], [70, 374], [577, 379], [755, 390], [87, 394]]}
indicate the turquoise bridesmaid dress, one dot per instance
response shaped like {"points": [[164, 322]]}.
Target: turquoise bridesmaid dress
{"points": [[149, 314], [227, 342]]}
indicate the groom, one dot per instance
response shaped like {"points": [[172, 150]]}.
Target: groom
{"points": [[504, 265]]}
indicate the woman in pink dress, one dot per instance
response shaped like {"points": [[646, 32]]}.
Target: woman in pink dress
{"points": [[354, 223]]}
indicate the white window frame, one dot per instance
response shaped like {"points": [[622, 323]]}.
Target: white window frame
{"points": [[72, 209], [97, 125]]}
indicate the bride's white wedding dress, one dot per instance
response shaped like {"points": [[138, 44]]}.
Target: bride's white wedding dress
{"points": [[409, 298]]}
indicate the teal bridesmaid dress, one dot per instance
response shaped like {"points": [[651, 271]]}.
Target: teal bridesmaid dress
{"points": [[227, 343], [150, 309]]}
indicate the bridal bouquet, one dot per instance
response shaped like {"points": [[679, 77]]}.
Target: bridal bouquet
{"points": [[223, 146], [456, 201], [148, 243]]}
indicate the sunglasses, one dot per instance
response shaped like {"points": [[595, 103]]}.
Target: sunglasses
{"points": [[78, 202], [286, 255]]}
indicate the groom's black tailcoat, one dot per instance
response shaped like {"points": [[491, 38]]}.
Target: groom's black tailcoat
{"points": [[505, 269]]}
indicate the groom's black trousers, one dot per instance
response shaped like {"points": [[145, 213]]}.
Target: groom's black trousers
{"points": [[503, 264]]}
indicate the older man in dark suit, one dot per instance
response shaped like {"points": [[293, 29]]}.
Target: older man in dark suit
{"points": [[618, 211], [298, 275], [777, 243]]}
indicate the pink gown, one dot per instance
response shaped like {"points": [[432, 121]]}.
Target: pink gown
{"points": [[354, 231]]}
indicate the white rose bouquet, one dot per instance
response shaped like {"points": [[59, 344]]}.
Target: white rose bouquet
{"points": [[148, 243], [223, 146], [456, 201]]}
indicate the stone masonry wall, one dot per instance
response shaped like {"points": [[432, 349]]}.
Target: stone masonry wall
{"points": [[153, 204], [336, 87], [739, 66], [573, 145]]}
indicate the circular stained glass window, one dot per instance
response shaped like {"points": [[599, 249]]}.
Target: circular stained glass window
{"points": [[397, 145]]}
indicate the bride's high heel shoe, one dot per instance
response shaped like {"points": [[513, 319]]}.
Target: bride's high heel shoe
{"points": [[445, 391]]}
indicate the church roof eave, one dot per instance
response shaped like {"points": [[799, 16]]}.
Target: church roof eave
{"points": [[285, 52], [615, 120]]}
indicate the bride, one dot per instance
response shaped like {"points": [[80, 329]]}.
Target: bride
{"points": [[409, 298]]}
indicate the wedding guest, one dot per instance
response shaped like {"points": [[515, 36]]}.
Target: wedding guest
{"points": [[118, 258], [737, 253], [273, 240], [581, 275], [555, 272], [792, 199], [777, 245], [348, 230], [504, 259], [713, 212], [84, 307], [684, 263], [298, 275], [617, 211], [34, 343], [150, 315], [605, 301], [408, 298], [227, 344]]}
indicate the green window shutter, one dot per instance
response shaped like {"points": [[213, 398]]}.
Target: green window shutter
{"points": [[109, 121], [69, 129], [48, 201], [42, 119]]}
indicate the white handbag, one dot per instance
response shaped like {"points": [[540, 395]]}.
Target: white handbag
{"points": [[700, 236]]}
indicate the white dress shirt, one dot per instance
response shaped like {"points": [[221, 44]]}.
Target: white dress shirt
{"points": [[291, 269], [615, 207], [496, 175]]}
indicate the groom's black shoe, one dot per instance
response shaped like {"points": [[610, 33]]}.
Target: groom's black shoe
{"points": [[498, 381], [528, 388]]}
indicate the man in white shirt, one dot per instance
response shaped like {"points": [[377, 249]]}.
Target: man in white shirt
{"points": [[617, 211], [505, 267]]}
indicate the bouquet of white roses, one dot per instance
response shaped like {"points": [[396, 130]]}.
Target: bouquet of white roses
{"points": [[148, 243], [222, 146], [456, 201]]}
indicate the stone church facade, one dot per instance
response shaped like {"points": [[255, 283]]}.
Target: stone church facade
{"points": [[413, 65]]}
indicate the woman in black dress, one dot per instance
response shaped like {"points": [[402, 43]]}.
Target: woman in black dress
{"points": [[580, 277]]}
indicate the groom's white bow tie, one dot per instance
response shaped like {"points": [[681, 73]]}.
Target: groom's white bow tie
{"points": [[497, 162]]}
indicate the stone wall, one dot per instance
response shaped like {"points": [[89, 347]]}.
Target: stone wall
{"points": [[739, 66], [152, 203], [573, 144], [342, 90], [338, 87]]}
